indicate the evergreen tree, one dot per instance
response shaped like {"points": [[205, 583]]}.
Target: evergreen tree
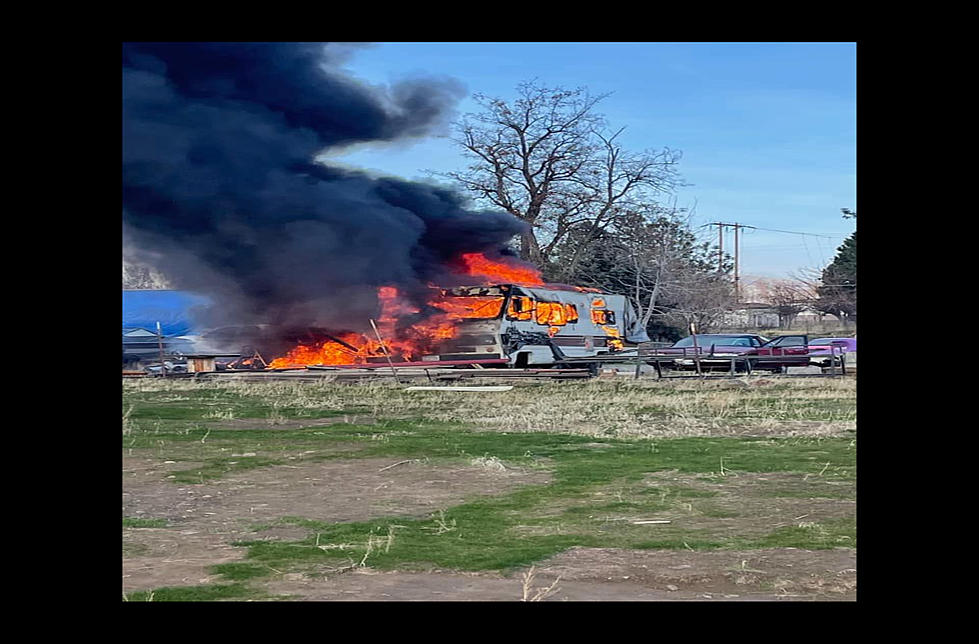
{"points": [[838, 291]]}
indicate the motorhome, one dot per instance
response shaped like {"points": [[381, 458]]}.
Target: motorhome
{"points": [[536, 325]]}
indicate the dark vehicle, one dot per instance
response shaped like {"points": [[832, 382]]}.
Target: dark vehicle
{"points": [[713, 350]]}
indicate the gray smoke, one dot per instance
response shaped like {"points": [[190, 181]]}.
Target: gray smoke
{"points": [[221, 191]]}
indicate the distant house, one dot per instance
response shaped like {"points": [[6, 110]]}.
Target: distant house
{"points": [[143, 309], [756, 315], [751, 315], [140, 346]]}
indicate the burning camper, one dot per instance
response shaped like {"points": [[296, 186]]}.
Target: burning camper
{"points": [[538, 325], [524, 324]]}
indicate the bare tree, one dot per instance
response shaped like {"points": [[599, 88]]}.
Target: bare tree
{"points": [[548, 159], [703, 300], [620, 185], [822, 298], [789, 298]]}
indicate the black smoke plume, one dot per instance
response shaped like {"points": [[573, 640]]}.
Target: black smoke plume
{"points": [[221, 191]]}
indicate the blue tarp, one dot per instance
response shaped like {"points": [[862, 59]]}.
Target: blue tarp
{"points": [[174, 310]]}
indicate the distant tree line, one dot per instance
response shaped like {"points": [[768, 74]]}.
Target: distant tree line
{"points": [[837, 291], [831, 291]]}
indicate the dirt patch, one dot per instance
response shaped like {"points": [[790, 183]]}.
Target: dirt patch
{"points": [[746, 505], [159, 557], [205, 518], [606, 574], [793, 428], [777, 573]]}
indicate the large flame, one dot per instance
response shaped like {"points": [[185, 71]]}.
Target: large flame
{"points": [[403, 342], [404, 331], [499, 272]]}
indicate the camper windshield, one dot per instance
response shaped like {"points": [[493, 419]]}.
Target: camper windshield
{"points": [[463, 306], [467, 291]]}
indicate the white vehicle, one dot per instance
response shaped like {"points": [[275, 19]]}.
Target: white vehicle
{"points": [[532, 325]]}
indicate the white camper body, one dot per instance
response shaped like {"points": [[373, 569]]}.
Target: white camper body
{"points": [[539, 325]]}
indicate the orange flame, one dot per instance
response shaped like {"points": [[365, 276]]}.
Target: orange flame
{"points": [[408, 343], [478, 265], [421, 336], [325, 352]]}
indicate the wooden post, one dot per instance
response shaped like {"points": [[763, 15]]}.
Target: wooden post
{"points": [[159, 340], [696, 350], [385, 349]]}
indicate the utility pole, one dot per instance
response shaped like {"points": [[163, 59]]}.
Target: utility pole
{"points": [[737, 278], [737, 248], [720, 244], [159, 340], [720, 248], [737, 252]]}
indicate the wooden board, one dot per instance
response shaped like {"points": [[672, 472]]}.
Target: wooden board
{"points": [[487, 388]]}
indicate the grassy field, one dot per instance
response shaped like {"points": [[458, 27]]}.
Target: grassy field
{"points": [[699, 460]]}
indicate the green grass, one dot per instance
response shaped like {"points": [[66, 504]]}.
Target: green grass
{"points": [[812, 536], [591, 487], [238, 571], [206, 593], [616, 452], [215, 468]]}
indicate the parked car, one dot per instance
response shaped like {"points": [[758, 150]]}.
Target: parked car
{"points": [[778, 354], [821, 349], [714, 350], [169, 366]]}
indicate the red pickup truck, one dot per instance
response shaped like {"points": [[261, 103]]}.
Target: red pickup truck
{"points": [[714, 352], [780, 353]]}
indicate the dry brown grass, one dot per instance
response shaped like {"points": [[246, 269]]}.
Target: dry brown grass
{"points": [[627, 408], [532, 594]]}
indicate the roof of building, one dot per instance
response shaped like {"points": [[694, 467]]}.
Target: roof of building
{"points": [[174, 310]]}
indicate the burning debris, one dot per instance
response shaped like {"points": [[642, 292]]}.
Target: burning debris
{"points": [[526, 323], [410, 331]]}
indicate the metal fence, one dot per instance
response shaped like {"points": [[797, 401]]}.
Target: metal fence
{"points": [[704, 362]]}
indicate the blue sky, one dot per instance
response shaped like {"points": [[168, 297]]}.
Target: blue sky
{"points": [[767, 130]]}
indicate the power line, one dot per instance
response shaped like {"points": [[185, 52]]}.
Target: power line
{"points": [[794, 232], [822, 255], [737, 261], [737, 226]]}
